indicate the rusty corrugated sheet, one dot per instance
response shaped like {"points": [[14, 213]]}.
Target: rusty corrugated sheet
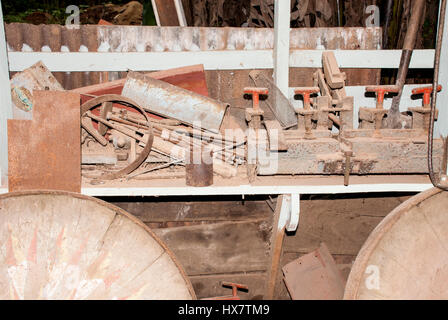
{"points": [[93, 38]]}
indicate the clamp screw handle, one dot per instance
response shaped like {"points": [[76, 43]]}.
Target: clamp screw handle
{"points": [[381, 91], [426, 91], [306, 93], [256, 92]]}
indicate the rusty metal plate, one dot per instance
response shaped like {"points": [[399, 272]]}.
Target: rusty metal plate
{"points": [[45, 153], [314, 276], [173, 102]]}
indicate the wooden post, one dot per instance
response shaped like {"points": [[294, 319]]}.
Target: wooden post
{"points": [[278, 234], [5, 102], [441, 126], [281, 44]]}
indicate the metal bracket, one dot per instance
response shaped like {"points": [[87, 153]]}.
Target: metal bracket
{"points": [[290, 212]]}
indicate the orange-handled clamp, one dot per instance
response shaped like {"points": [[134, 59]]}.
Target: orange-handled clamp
{"points": [[381, 91], [306, 93], [426, 91], [255, 92]]}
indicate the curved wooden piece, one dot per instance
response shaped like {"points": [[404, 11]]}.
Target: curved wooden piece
{"points": [[406, 256], [60, 245]]}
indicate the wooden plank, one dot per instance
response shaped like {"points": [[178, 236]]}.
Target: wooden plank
{"points": [[277, 140], [314, 276], [5, 102], [165, 12], [45, 153], [276, 247], [174, 210], [212, 60], [219, 248], [210, 286], [344, 225], [441, 127]]}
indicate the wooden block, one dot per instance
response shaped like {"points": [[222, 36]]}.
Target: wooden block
{"points": [[45, 153], [314, 276]]}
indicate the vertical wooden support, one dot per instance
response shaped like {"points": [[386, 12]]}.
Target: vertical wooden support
{"points": [[281, 44], [441, 125], [5, 102], [278, 234], [442, 97]]}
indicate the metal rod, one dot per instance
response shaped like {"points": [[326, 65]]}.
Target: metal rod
{"points": [[393, 115]]}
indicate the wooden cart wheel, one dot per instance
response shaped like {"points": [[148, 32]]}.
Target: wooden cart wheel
{"points": [[406, 256], [60, 245]]}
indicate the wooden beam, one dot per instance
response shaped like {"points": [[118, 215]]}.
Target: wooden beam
{"points": [[219, 248], [275, 254], [5, 102], [441, 127], [281, 44], [166, 13], [212, 60]]}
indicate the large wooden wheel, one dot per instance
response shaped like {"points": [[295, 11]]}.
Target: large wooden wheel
{"points": [[406, 256], [59, 245]]}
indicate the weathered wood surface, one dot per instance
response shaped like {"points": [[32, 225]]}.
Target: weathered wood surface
{"points": [[173, 210], [57, 245], [210, 286], [406, 256], [343, 224], [220, 248]]}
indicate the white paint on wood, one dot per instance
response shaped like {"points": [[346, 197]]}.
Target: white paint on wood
{"points": [[212, 60], [282, 44], [252, 190], [5, 102], [369, 59]]}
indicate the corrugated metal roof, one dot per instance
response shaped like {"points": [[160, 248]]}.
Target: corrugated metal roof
{"points": [[93, 38]]}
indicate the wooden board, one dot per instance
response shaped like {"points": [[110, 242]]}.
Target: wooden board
{"points": [[166, 11], [220, 248], [45, 152], [174, 210], [314, 276], [342, 224], [62, 245]]}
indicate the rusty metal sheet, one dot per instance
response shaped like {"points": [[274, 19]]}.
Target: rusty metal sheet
{"points": [[36, 77], [314, 276], [45, 152], [173, 102]]}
